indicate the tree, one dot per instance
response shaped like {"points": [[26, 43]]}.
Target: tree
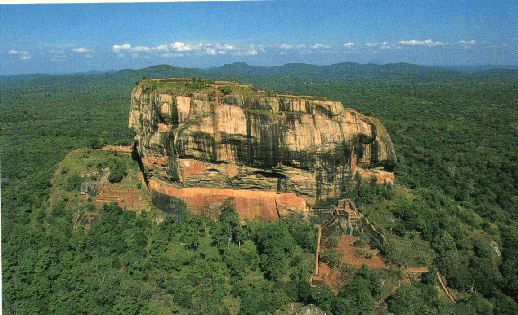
{"points": [[228, 227], [226, 89], [117, 172], [274, 244], [73, 183], [96, 143], [358, 296]]}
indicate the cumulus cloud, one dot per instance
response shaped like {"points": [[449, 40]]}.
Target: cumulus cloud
{"points": [[382, 45], [181, 49], [466, 43], [161, 48], [349, 45], [250, 50], [119, 48], [23, 55], [179, 46], [81, 50], [210, 51], [320, 46], [141, 48], [285, 46], [301, 48], [413, 42], [225, 47]]}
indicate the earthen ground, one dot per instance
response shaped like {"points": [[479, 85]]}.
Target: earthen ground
{"points": [[118, 148], [350, 256]]}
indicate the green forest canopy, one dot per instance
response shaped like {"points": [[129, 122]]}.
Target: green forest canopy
{"points": [[455, 135]]}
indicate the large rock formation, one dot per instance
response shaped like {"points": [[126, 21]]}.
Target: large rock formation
{"points": [[274, 154]]}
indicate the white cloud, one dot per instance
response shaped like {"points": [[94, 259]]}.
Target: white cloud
{"points": [[24, 55], [58, 55], [179, 46], [119, 48], [161, 48], [211, 51], [301, 48], [463, 42], [249, 51], [58, 58], [320, 46], [466, 44], [413, 42], [141, 48], [225, 47], [81, 50], [349, 45], [382, 45], [181, 49]]}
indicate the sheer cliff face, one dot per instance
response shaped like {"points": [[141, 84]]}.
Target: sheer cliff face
{"points": [[275, 155]]}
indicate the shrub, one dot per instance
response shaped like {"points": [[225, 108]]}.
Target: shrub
{"points": [[227, 89], [96, 143], [331, 258], [73, 183], [117, 172]]}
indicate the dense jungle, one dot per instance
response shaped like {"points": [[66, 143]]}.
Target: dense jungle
{"points": [[453, 208]]}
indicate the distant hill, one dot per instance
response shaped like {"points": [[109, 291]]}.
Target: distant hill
{"points": [[479, 68], [344, 71], [4, 78], [240, 71]]}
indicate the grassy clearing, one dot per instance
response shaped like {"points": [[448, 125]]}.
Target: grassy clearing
{"points": [[86, 165]]}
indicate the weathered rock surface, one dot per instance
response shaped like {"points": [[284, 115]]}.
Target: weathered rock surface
{"points": [[275, 155]]}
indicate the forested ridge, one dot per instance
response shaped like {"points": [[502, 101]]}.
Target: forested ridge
{"points": [[455, 136]]}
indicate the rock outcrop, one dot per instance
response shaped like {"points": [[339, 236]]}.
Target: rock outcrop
{"points": [[276, 155]]}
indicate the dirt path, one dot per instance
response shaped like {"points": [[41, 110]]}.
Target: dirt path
{"points": [[445, 289], [417, 270]]}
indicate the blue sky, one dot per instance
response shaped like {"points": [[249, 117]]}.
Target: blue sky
{"points": [[68, 38]]}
